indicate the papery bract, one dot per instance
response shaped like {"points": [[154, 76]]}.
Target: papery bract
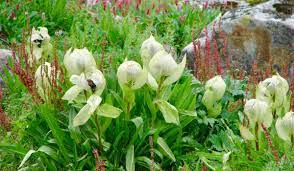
{"points": [[274, 91], [164, 68], [148, 49], [258, 112], [217, 85], [131, 74], [214, 90], [93, 80], [285, 127], [77, 61]]}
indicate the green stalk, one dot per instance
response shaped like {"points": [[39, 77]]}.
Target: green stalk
{"points": [[256, 137], [99, 133]]}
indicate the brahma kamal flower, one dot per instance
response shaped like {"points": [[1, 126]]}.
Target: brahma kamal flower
{"points": [[78, 61], [92, 81], [163, 69], [130, 74], [258, 112], [214, 90], [285, 127], [148, 49], [41, 46], [43, 77], [274, 91]]}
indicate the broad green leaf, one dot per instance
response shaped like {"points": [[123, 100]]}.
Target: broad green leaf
{"points": [[49, 151], [169, 112], [146, 162], [130, 159], [165, 148], [26, 157], [188, 113], [109, 111], [13, 149], [138, 121]]}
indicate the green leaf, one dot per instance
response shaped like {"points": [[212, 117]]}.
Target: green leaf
{"points": [[146, 162], [12, 148], [138, 121], [165, 148], [169, 112], [26, 157], [49, 151], [130, 159], [188, 113], [109, 111]]}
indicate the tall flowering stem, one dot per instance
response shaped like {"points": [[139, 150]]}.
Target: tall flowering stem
{"points": [[270, 143]]}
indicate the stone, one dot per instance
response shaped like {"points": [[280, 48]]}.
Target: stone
{"points": [[259, 33], [4, 54]]}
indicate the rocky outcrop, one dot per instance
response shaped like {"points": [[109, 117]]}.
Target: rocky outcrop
{"points": [[261, 33], [4, 54]]}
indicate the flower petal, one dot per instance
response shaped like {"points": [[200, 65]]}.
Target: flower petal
{"points": [[282, 130], [246, 134], [152, 82], [177, 74], [72, 93], [85, 113]]}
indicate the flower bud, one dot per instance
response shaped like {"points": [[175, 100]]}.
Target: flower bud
{"points": [[43, 77], [214, 90], [217, 85], [285, 127], [78, 61], [258, 112], [148, 49], [131, 74]]}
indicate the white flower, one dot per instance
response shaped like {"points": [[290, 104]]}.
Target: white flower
{"points": [[78, 61], [41, 47], [164, 69], [274, 91], [258, 112], [148, 49], [214, 90], [285, 127], [131, 74], [93, 81], [217, 85], [43, 77]]}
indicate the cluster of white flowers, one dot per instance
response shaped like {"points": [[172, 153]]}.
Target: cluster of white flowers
{"points": [[40, 48], [272, 100]]}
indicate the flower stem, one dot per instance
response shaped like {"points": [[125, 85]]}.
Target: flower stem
{"points": [[270, 143], [256, 137], [151, 152], [99, 133]]}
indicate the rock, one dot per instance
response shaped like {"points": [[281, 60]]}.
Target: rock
{"points": [[4, 54], [249, 34]]}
